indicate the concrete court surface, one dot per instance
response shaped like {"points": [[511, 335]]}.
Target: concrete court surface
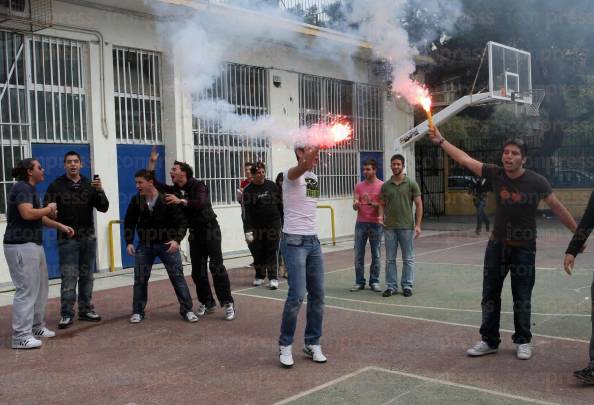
{"points": [[380, 350]]}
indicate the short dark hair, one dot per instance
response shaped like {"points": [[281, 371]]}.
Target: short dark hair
{"points": [[20, 171], [248, 164], [519, 143], [184, 167], [256, 166], [370, 162], [397, 156], [148, 175], [72, 153]]}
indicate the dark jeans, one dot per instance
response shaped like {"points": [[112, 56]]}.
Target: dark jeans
{"points": [[481, 216], [143, 263], [500, 259], [77, 264], [205, 249], [265, 247]]}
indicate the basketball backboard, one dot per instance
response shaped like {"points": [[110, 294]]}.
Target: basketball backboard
{"points": [[510, 74]]}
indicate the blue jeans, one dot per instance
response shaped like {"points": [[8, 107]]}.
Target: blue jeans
{"points": [[501, 259], [305, 267], [143, 263], [373, 232], [404, 238], [77, 265]]}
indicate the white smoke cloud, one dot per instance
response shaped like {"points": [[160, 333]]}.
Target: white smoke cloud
{"points": [[199, 41]]}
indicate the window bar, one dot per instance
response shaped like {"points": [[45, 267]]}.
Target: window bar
{"points": [[141, 95]]}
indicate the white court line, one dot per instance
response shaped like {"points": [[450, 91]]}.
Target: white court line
{"points": [[451, 247], [321, 387], [447, 309], [482, 265], [414, 318], [417, 377]]}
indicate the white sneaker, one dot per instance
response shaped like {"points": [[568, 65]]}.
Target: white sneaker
{"points": [[229, 311], [315, 353], [286, 356], [480, 349], [136, 318], [203, 309], [26, 343], [191, 317], [273, 284], [258, 282], [43, 332], [524, 351]]}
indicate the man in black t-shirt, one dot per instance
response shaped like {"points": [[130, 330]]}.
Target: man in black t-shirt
{"points": [[512, 244], [262, 223]]}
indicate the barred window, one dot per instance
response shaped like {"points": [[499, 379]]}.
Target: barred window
{"points": [[369, 119], [137, 92], [220, 154], [321, 99], [57, 90], [14, 127]]}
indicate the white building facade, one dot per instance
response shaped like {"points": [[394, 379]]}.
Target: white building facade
{"points": [[101, 82]]}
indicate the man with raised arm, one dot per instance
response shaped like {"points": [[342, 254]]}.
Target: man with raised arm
{"points": [[512, 244], [205, 235], [303, 257]]}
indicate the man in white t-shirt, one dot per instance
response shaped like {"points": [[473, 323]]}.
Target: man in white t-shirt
{"points": [[303, 257]]}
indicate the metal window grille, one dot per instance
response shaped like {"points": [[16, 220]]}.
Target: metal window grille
{"points": [[56, 89], [220, 154], [14, 126], [361, 104], [137, 92], [369, 118]]}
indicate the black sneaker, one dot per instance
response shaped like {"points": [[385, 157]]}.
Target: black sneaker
{"points": [[407, 292], [65, 322], [357, 287], [389, 292], [585, 375], [90, 316]]}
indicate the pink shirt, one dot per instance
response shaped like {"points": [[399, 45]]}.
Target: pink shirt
{"points": [[368, 193]]}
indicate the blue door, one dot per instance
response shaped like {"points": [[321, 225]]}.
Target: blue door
{"points": [[132, 158], [379, 158], [51, 157]]}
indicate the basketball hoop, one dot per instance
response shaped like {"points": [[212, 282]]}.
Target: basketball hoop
{"points": [[533, 109]]}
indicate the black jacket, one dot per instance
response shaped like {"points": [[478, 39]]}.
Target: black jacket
{"points": [[199, 210], [75, 206], [164, 224], [261, 203]]}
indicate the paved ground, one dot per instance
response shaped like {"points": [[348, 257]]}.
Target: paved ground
{"points": [[381, 350]]}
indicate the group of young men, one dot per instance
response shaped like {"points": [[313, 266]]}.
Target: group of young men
{"points": [[387, 209], [160, 215]]}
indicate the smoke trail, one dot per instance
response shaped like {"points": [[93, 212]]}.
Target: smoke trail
{"points": [[201, 39]]}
